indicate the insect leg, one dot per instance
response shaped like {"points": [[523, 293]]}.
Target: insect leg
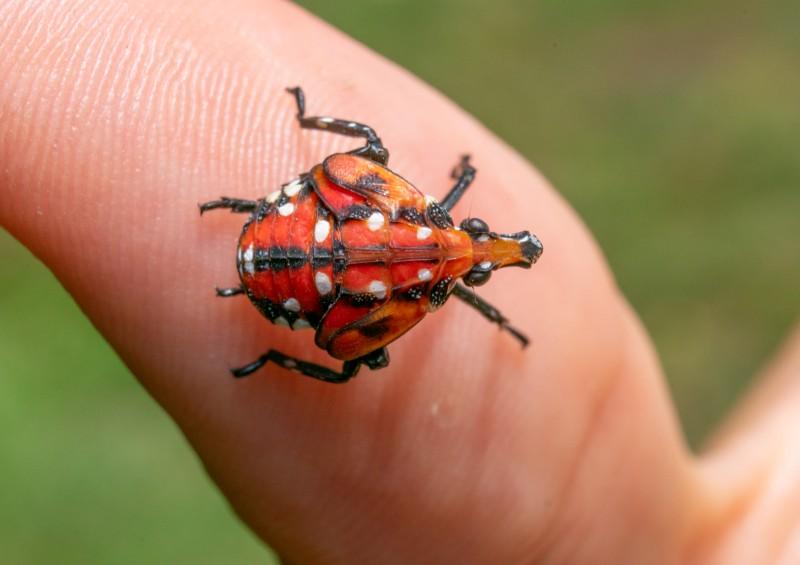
{"points": [[488, 311], [375, 360], [349, 369], [226, 292], [373, 149], [464, 173], [235, 204]]}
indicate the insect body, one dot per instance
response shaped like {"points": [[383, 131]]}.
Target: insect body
{"points": [[357, 253]]}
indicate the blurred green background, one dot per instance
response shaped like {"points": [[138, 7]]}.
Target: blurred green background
{"points": [[671, 127]]}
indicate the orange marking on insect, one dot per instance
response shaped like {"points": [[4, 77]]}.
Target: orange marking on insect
{"points": [[376, 329], [336, 199], [384, 188]]}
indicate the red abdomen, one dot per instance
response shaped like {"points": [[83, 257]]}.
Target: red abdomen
{"points": [[317, 255], [285, 257]]}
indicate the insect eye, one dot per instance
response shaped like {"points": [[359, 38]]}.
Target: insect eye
{"points": [[477, 278], [475, 226]]}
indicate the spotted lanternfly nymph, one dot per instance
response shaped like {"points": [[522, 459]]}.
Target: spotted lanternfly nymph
{"points": [[357, 253]]}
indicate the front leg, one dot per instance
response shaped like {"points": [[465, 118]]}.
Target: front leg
{"points": [[489, 312], [464, 173]]}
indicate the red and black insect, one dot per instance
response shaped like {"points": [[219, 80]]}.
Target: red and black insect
{"points": [[357, 253]]}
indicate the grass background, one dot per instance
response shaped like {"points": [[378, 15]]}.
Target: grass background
{"points": [[671, 127]]}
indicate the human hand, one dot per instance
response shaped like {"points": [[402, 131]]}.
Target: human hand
{"points": [[464, 449]]}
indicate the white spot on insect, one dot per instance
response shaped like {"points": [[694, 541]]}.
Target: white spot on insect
{"points": [[424, 274], [483, 238], [286, 210], [323, 122], [485, 265], [239, 254], [272, 197], [351, 124], [300, 324], [375, 221], [423, 233], [249, 267], [323, 282], [248, 255], [293, 188], [430, 199], [321, 230], [378, 288], [292, 305], [289, 363], [281, 321]]}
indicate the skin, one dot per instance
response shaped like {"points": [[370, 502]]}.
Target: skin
{"points": [[117, 118]]}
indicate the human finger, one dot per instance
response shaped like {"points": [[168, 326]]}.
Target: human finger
{"points": [[122, 117]]}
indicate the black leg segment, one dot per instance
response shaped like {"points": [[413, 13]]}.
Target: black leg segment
{"points": [[489, 312], [225, 292], [464, 173], [234, 204], [378, 359], [373, 149], [375, 360], [349, 369]]}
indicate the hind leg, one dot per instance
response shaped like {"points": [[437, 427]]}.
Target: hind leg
{"points": [[375, 360]]}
